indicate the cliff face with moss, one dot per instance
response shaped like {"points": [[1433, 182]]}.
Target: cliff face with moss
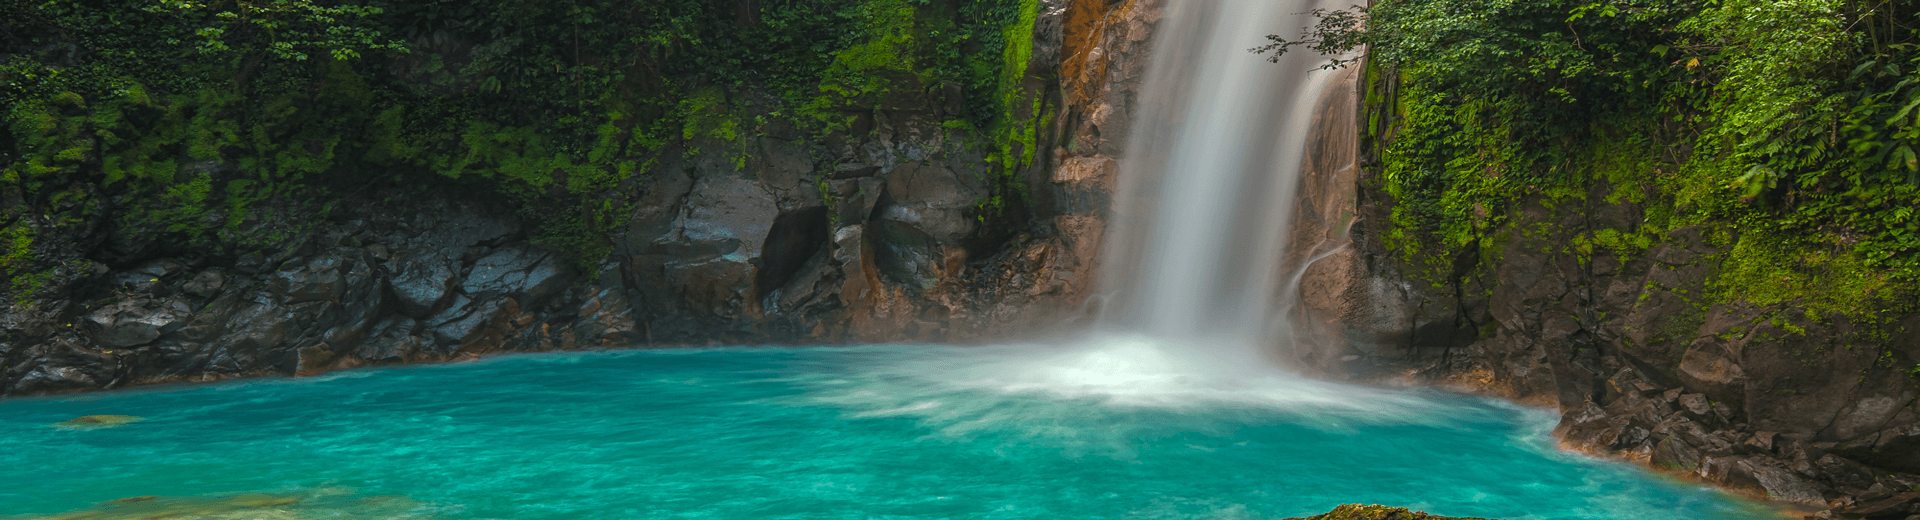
{"points": [[1687, 225], [200, 192]]}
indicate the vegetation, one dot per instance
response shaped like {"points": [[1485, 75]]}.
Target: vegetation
{"points": [[194, 120], [1788, 129]]}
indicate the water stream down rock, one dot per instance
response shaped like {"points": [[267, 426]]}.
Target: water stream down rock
{"points": [[876, 233]]}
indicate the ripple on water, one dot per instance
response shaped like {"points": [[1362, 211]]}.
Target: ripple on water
{"points": [[1114, 428]]}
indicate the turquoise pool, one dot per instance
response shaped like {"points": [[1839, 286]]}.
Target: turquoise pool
{"points": [[902, 431]]}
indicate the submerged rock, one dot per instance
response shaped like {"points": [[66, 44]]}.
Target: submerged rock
{"points": [[321, 503], [239, 507], [99, 421], [1365, 512]]}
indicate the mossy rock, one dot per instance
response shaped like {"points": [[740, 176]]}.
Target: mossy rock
{"points": [[99, 421], [1364, 512]]}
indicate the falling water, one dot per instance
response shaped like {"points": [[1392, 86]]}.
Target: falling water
{"points": [[1209, 182]]}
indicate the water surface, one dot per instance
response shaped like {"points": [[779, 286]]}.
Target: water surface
{"points": [[1114, 431]]}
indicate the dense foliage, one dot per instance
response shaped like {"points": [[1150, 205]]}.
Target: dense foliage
{"points": [[1786, 127], [179, 117]]}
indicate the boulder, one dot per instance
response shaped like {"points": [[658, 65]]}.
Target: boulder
{"points": [[933, 200], [207, 283], [464, 322], [319, 279], [1780, 484], [392, 340], [1893, 507], [709, 261], [424, 280], [138, 321], [854, 199], [1896, 448], [520, 272], [61, 365]]}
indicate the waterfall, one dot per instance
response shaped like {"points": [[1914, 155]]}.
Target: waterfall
{"points": [[1208, 185]]}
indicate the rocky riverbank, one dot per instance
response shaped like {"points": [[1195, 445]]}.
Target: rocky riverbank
{"points": [[1798, 401], [889, 230], [875, 234]]}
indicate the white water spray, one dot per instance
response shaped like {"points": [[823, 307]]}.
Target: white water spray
{"points": [[1208, 186], [1194, 269]]}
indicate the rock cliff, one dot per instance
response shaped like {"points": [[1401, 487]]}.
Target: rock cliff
{"points": [[876, 233], [1647, 361], [879, 232]]}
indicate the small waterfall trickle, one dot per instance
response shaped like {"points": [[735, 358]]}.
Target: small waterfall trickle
{"points": [[1208, 185]]}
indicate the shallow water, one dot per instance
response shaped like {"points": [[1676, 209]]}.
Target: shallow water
{"points": [[1113, 430]]}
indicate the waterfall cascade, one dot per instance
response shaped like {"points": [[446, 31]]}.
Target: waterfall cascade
{"points": [[1207, 189]]}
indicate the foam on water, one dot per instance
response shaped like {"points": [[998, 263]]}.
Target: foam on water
{"points": [[1116, 428], [1142, 370]]}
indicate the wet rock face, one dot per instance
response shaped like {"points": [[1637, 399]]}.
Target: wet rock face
{"points": [[897, 228], [429, 279], [1645, 364], [135, 322], [1641, 358]]}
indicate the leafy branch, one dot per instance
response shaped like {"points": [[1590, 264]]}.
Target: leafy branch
{"points": [[1338, 33]]}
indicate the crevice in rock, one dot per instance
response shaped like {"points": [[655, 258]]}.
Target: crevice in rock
{"points": [[795, 238]]}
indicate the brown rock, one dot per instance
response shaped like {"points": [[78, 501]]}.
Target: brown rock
{"points": [[1897, 506], [1366, 512]]}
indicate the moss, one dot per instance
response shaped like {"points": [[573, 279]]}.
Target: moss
{"points": [[1768, 269], [871, 68], [1012, 96], [565, 161], [1680, 328], [707, 117]]}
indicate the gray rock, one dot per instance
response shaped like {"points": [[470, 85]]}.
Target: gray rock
{"points": [[1844, 471], [393, 340], [1779, 483], [134, 280], [464, 227], [1674, 454], [319, 279], [810, 285], [853, 171], [207, 283], [251, 263], [1896, 448], [854, 199], [137, 322], [462, 328], [61, 366], [934, 200], [727, 216], [1695, 404], [905, 254], [261, 325], [1896, 506], [520, 272], [423, 281]]}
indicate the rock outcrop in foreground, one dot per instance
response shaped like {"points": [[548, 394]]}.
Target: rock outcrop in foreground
{"points": [[1365, 512]]}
